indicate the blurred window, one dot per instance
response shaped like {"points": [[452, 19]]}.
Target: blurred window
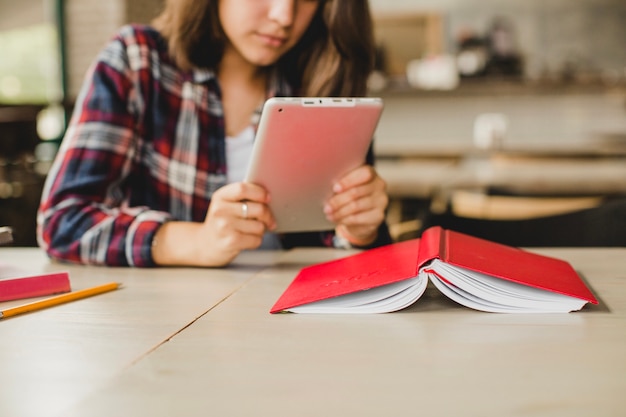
{"points": [[30, 65]]}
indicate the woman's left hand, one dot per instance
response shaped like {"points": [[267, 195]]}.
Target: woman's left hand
{"points": [[358, 205]]}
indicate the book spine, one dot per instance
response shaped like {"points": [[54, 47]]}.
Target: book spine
{"points": [[34, 286], [432, 246]]}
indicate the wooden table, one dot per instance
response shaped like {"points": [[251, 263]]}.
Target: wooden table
{"points": [[52, 358], [197, 342]]}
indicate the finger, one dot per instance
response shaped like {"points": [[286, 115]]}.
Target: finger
{"points": [[239, 240], [371, 217], [356, 177], [343, 206], [242, 191], [236, 234], [357, 199], [253, 211], [348, 198], [251, 227]]}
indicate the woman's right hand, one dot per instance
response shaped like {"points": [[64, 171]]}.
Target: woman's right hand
{"points": [[237, 218]]}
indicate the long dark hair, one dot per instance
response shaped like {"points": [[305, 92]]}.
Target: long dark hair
{"points": [[334, 57]]}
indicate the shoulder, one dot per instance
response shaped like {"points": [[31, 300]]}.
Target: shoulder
{"points": [[141, 35], [135, 47]]}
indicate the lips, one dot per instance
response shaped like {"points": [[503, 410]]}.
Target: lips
{"points": [[271, 40]]}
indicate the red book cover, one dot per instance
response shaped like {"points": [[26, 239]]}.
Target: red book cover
{"points": [[502, 261], [17, 285], [401, 261], [359, 272]]}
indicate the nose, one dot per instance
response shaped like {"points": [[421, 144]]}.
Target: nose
{"points": [[283, 11]]}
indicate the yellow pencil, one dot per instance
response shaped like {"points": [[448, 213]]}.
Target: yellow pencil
{"points": [[58, 299]]}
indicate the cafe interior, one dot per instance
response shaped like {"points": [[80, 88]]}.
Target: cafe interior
{"points": [[505, 120]]}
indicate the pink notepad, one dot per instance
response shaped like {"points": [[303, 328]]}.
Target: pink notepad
{"points": [[16, 284]]}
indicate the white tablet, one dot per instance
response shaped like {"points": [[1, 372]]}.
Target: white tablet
{"points": [[302, 147]]}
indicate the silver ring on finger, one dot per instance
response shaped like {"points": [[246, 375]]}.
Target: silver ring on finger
{"points": [[244, 210]]}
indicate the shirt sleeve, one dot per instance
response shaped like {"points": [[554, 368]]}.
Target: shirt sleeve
{"points": [[82, 217]]}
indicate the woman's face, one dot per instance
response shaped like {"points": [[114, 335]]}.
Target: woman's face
{"points": [[261, 31]]}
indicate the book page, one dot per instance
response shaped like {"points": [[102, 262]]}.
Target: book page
{"points": [[383, 299], [487, 293]]}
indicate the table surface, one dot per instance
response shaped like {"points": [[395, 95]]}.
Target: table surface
{"points": [[198, 342]]}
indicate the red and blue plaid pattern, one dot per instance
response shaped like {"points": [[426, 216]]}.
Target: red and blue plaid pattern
{"points": [[145, 145]]}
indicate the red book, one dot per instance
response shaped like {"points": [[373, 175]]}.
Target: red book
{"points": [[474, 272], [17, 284]]}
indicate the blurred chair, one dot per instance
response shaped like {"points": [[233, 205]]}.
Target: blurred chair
{"points": [[601, 225], [478, 204]]}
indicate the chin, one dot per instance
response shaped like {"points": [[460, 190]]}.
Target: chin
{"points": [[264, 61], [264, 58]]}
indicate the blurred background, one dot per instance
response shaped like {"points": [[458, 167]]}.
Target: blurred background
{"points": [[499, 116]]}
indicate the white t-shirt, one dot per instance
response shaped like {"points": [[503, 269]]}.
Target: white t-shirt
{"points": [[238, 152]]}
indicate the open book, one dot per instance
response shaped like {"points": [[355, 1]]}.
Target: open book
{"points": [[474, 272]]}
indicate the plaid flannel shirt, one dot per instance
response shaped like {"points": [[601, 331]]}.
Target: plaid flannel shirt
{"points": [[146, 144]]}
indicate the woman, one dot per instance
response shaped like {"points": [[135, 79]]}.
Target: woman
{"points": [[150, 170]]}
